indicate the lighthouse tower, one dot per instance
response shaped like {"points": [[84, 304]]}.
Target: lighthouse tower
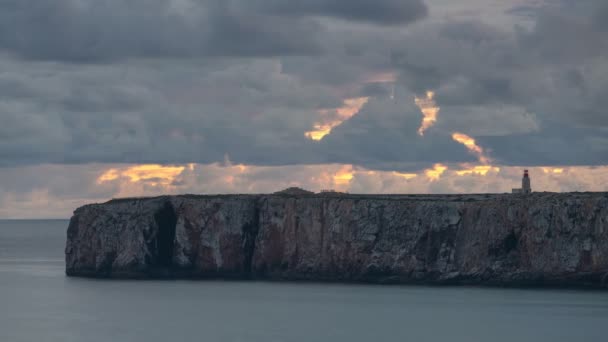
{"points": [[525, 183]]}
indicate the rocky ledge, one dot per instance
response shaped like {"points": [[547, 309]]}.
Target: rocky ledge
{"points": [[542, 239]]}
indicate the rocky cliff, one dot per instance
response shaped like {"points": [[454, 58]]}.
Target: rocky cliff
{"points": [[541, 239]]}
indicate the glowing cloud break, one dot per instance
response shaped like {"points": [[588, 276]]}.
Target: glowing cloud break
{"points": [[151, 173], [348, 110], [429, 110], [472, 146]]}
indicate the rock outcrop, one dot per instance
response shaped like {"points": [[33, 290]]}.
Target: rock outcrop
{"points": [[542, 239]]}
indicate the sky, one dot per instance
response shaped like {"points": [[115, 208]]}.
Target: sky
{"points": [[102, 99]]}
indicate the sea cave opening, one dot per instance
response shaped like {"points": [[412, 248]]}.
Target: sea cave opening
{"points": [[166, 221]]}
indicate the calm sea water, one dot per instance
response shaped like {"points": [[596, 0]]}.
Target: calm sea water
{"points": [[38, 303]]}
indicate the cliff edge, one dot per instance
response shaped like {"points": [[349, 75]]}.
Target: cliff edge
{"points": [[542, 239]]}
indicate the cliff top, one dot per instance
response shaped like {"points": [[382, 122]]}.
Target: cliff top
{"points": [[412, 197]]}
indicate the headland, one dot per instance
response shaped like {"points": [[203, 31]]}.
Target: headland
{"points": [[537, 239]]}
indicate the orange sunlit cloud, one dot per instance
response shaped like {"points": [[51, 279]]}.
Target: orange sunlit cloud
{"points": [[108, 176], [343, 177], [320, 132], [150, 180], [210, 179], [350, 108], [481, 170], [429, 110], [407, 176], [472, 146], [436, 172], [156, 174]]}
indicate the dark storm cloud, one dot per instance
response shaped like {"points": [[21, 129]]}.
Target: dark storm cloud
{"points": [[237, 33], [539, 68], [92, 31], [548, 147], [568, 36], [471, 52], [375, 90], [249, 111], [148, 113], [164, 95], [384, 136], [383, 12], [555, 69]]}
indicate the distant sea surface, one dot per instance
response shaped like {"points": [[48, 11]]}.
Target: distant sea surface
{"points": [[38, 303]]}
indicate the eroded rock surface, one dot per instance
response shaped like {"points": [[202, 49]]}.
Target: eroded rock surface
{"points": [[534, 240]]}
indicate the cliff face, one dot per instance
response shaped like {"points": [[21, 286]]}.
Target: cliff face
{"points": [[538, 239]]}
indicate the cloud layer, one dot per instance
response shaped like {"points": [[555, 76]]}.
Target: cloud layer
{"points": [[86, 82], [53, 191]]}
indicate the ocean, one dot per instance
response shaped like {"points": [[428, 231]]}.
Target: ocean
{"points": [[39, 303]]}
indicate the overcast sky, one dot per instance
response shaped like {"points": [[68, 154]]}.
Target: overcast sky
{"points": [[110, 98]]}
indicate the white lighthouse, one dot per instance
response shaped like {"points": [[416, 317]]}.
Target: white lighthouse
{"points": [[525, 185]]}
